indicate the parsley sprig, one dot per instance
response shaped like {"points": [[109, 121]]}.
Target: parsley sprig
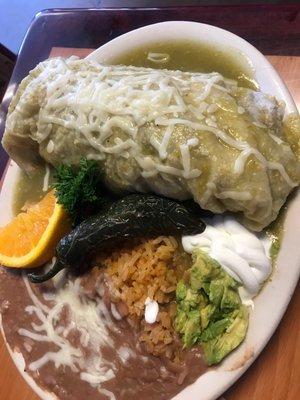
{"points": [[79, 189]]}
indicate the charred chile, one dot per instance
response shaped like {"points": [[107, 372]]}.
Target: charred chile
{"points": [[133, 216]]}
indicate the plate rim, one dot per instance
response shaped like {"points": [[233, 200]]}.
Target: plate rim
{"points": [[286, 95]]}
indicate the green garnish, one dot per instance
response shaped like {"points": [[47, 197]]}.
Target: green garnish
{"points": [[209, 309], [79, 189]]}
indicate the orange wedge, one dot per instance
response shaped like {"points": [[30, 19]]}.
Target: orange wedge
{"points": [[29, 240]]}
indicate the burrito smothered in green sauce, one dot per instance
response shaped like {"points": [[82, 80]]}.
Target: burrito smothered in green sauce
{"points": [[179, 134]]}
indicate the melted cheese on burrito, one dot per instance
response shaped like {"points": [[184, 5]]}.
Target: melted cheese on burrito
{"points": [[179, 134]]}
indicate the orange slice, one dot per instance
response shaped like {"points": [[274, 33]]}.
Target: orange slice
{"points": [[29, 240]]}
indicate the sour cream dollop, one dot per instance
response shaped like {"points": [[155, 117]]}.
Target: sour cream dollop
{"points": [[239, 251], [151, 310]]}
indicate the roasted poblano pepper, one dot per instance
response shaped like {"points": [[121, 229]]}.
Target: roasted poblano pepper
{"points": [[133, 216]]}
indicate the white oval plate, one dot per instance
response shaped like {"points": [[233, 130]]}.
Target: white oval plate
{"points": [[271, 303]]}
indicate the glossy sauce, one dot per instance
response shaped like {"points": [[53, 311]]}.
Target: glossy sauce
{"points": [[194, 57], [29, 188]]}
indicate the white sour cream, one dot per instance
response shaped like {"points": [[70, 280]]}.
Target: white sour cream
{"points": [[151, 310], [239, 251]]}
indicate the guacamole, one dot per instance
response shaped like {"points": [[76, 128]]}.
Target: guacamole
{"points": [[209, 309]]}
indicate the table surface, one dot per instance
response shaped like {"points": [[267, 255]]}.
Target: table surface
{"points": [[275, 374], [19, 13]]}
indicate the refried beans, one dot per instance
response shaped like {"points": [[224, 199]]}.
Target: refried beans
{"points": [[79, 340]]}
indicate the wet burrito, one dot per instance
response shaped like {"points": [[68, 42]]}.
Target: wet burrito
{"points": [[182, 135]]}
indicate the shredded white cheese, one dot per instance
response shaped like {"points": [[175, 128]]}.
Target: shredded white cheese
{"points": [[186, 159], [212, 108], [158, 58], [277, 139], [248, 151], [89, 318], [107, 393], [101, 100], [46, 178], [232, 194], [50, 146], [114, 312]]}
